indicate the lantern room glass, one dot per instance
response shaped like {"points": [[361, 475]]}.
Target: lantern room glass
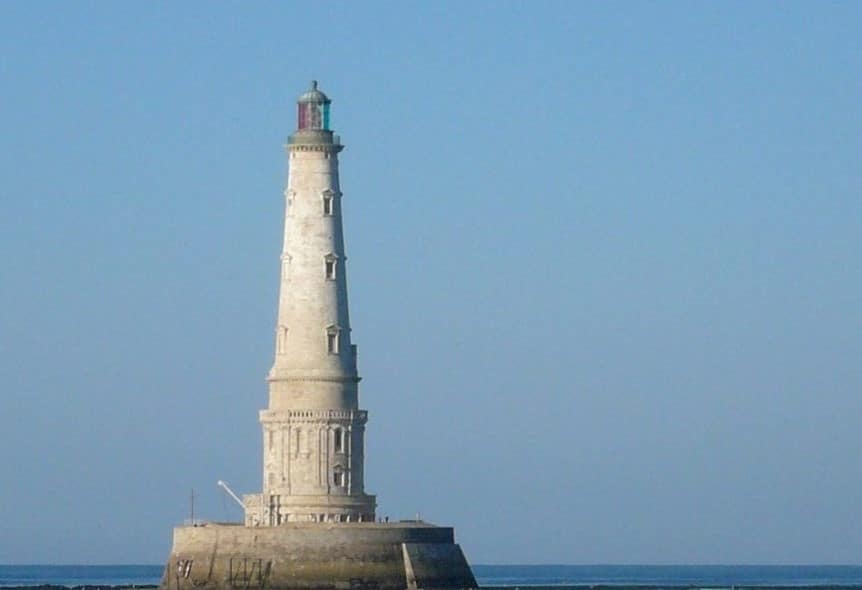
{"points": [[313, 116]]}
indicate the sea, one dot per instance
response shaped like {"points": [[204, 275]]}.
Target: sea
{"points": [[711, 577]]}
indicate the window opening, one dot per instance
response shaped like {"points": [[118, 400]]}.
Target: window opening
{"points": [[339, 440], [281, 339], [332, 340]]}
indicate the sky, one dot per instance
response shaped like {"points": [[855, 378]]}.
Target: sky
{"points": [[604, 271]]}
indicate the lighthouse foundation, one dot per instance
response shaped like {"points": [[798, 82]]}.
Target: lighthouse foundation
{"points": [[315, 556]]}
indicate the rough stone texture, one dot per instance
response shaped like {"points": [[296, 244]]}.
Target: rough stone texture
{"points": [[313, 430], [312, 527], [312, 556]]}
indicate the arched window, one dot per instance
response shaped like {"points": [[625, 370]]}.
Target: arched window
{"points": [[328, 203], [333, 334], [281, 339], [330, 266]]}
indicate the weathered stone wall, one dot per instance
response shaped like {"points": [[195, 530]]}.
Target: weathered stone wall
{"points": [[313, 290], [313, 429], [370, 556]]}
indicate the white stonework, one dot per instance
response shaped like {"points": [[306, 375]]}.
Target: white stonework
{"points": [[313, 429]]}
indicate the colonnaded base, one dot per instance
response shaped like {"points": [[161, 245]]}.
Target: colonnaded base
{"points": [[316, 556]]}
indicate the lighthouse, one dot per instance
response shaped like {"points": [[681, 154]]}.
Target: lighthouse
{"points": [[312, 526], [313, 429]]}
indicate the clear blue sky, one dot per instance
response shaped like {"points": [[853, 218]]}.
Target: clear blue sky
{"points": [[604, 263]]}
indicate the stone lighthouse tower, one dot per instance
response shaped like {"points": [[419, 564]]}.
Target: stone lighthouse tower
{"points": [[313, 526], [313, 429]]}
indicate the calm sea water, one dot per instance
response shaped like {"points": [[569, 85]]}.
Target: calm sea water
{"points": [[723, 576], [667, 575]]}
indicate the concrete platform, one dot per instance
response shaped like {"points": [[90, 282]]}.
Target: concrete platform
{"points": [[312, 556]]}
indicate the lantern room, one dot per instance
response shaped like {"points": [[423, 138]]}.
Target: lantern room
{"points": [[313, 110]]}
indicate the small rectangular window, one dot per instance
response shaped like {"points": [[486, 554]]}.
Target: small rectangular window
{"points": [[332, 342], [327, 205], [330, 270], [338, 478], [281, 340], [339, 440]]}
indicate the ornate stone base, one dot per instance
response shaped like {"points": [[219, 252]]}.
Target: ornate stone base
{"points": [[275, 510], [312, 556]]}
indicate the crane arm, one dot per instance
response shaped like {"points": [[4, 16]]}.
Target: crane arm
{"points": [[230, 493]]}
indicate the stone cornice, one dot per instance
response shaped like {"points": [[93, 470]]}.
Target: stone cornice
{"points": [[358, 417], [271, 378], [314, 147]]}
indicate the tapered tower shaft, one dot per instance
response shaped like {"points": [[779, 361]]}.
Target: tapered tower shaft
{"points": [[313, 429]]}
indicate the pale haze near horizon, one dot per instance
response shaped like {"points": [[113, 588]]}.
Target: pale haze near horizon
{"points": [[604, 270]]}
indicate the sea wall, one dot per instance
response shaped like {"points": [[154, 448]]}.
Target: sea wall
{"points": [[312, 556]]}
